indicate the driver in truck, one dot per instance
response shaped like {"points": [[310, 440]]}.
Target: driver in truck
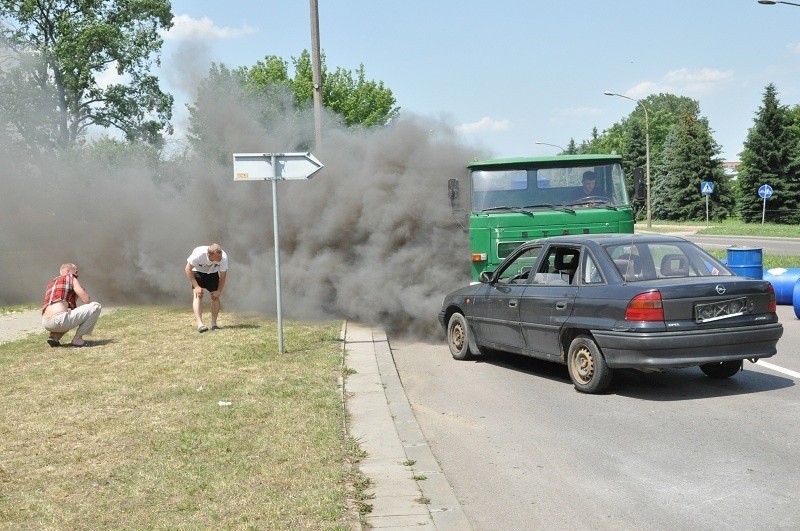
{"points": [[589, 182]]}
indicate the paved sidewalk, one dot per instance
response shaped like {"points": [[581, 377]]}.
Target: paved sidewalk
{"points": [[16, 325], [382, 421]]}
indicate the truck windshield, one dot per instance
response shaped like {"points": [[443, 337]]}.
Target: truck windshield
{"points": [[573, 187]]}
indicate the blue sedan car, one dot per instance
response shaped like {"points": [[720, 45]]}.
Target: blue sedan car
{"points": [[603, 302]]}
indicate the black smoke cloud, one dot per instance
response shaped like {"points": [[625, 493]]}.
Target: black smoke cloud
{"points": [[371, 237]]}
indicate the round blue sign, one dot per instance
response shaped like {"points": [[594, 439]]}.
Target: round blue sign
{"points": [[765, 191]]}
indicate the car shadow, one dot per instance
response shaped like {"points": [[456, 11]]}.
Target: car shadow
{"points": [[692, 384], [668, 385]]}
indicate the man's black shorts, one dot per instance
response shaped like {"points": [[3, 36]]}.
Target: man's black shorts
{"points": [[209, 281]]}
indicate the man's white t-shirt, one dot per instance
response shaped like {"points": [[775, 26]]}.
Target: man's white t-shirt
{"points": [[200, 261]]}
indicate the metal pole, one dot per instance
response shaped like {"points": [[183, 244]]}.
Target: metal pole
{"points": [[277, 250], [647, 161], [316, 72], [763, 210]]}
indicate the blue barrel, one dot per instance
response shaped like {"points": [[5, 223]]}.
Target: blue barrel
{"points": [[745, 261], [796, 299], [783, 281]]}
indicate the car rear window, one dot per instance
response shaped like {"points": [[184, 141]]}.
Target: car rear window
{"points": [[654, 260]]}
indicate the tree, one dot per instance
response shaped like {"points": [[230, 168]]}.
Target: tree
{"points": [[689, 158], [359, 101], [281, 105], [628, 137], [53, 54], [230, 105], [771, 156]]}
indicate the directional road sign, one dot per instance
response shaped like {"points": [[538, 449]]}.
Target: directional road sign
{"points": [[707, 188], [274, 166], [765, 191]]}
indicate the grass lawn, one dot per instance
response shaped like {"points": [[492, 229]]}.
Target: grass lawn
{"points": [[159, 427]]}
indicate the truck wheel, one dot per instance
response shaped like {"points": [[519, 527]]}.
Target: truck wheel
{"points": [[722, 369], [458, 337], [587, 367]]}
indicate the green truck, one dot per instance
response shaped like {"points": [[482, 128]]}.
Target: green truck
{"points": [[519, 199]]}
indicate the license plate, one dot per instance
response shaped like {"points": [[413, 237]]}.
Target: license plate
{"points": [[714, 311]]}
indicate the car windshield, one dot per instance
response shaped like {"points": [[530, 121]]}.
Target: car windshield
{"points": [[653, 260], [560, 188]]}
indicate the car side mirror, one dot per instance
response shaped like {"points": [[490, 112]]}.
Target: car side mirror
{"points": [[453, 193], [486, 277]]}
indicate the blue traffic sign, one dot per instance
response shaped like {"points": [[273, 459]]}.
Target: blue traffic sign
{"points": [[765, 191], [707, 188]]}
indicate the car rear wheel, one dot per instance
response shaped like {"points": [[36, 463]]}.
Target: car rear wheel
{"points": [[458, 337], [722, 369], [587, 367]]}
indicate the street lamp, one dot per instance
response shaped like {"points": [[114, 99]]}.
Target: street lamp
{"points": [[646, 149], [773, 2], [554, 145]]}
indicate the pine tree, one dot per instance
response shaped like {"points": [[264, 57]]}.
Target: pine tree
{"points": [[771, 156], [689, 158]]}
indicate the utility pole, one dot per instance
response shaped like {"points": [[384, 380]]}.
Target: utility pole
{"points": [[316, 72]]}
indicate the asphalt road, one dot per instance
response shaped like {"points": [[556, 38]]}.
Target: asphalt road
{"points": [[675, 450], [771, 245]]}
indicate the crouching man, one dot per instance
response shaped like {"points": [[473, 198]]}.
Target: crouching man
{"points": [[60, 312]]}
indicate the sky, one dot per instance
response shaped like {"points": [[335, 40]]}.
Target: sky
{"points": [[506, 75]]}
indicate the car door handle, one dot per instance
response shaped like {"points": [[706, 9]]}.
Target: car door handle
{"points": [[513, 303], [561, 305]]}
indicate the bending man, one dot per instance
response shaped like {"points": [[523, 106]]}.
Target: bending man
{"points": [[207, 268]]}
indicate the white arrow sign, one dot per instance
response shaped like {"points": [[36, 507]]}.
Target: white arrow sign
{"points": [[274, 166]]}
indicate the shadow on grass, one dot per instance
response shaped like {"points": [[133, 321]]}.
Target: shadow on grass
{"points": [[243, 326]]}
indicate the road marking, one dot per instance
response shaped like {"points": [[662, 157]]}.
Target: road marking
{"points": [[787, 372]]}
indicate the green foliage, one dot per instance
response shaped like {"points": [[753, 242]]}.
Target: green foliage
{"points": [[771, 156], [690, 157], [653, 116], [227, 97], [54, 52], [359, 101], [278, 102]]}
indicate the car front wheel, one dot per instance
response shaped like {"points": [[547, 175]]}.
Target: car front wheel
{"points": [[587, 367], [458, 337], [722, 369]]}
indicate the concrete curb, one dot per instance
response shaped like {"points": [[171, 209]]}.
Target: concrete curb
{"points": [[398, 456]]}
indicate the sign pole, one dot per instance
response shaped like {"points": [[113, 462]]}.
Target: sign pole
{"points": [[271, 167], [707, 188], [764, 192], [277, 251]]}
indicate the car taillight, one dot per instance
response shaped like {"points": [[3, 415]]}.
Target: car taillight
{"points": [[772, 304], [645, 307]]}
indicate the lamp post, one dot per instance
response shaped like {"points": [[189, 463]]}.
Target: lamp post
{"points": [[773, 2], [646, 149], [553, 145]]}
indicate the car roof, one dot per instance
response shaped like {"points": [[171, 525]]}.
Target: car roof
{"points": [[607, 239]]}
